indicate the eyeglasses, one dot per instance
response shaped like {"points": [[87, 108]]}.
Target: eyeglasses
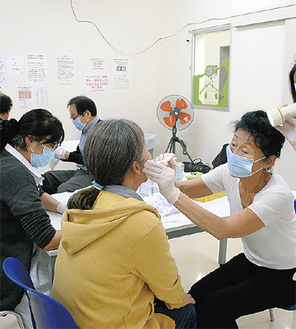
{"points": [[76, 116], [51, 145]]}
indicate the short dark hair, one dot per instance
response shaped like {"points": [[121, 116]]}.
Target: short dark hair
{"points": [[40, 124], [292, 85], [5, 103], [82, 104], [266, 137]]}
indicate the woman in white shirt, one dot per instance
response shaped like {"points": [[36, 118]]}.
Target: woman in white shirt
{"points": [[262, 214]]}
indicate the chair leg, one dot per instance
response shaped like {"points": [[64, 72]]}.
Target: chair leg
{"points": [[271, 314], [17, 316]]}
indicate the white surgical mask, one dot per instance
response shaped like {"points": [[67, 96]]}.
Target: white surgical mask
{"points": [[78, 124], [240, 166], [43, 159]]}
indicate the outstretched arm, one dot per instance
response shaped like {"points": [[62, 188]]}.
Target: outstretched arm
{"points": [[288, 129], [240, 224]]}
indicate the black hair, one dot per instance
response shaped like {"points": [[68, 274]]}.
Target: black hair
{"points": [[82, 104], [5, 103], [109, 153], [292, 85], [38, 123], [266, 137]]}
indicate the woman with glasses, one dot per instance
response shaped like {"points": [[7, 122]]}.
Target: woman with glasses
{"points": [[25, 225]]}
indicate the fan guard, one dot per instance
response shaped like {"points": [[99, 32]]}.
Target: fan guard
{"points": [[175, 112], [175, 109]]}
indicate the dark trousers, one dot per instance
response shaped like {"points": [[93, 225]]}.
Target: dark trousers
{"points": [[58, 181], [184, 317], [239, 288]]}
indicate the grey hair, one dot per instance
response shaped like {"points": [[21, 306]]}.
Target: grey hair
{"points": [[111, 149]]}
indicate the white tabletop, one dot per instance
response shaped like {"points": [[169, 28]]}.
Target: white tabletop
{"points": [[171, 217]]}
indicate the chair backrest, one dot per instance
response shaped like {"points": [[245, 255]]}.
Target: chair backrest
{"points": [[46, 312]]}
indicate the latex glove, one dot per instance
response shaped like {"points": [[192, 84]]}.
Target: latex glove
{"points": [[53, 163], [60, 153], [61, 208], [168, 159], [164, 177], [288, 129]]}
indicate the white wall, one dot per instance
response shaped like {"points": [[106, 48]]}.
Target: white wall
{"points": [[261, 56]]}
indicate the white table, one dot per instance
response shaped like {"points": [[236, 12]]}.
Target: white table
{"points": [[175, 223]]}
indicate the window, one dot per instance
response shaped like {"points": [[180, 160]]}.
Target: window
{"points": [[210, 68]]}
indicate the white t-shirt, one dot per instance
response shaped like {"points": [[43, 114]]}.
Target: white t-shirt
{"points": [[273, 246]]}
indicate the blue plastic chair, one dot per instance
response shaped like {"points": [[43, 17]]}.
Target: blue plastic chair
{"points": [[46, 312], [290, 307]]}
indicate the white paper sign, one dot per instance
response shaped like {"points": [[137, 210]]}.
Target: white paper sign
{"points": [[41, 96], [36, 68], [121, 65], [97, 83], [15, 64], [97, 64], [66, 68], [25, 97], [122, 81], [2, 69]]}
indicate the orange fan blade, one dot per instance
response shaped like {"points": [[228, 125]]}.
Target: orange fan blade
{"points": [[181, 104], [170, 121], [184, 118], [166, 106]]}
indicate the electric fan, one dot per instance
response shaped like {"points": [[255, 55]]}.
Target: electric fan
{"points": [[175, 112]]}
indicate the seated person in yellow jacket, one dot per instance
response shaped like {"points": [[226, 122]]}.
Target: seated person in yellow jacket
{"points": [[114, 258]]}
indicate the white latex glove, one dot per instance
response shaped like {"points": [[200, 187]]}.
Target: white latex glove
{"points": [[61, 208], [167, 159], [164, 177], [53, 163], [288, 129], [60, 153]]}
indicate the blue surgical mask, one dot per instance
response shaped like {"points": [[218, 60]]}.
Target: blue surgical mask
{"points": [[78, 124], [240, 166], [41, 160]]}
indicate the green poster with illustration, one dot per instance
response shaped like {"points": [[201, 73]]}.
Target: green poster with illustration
{"points": [[211, 87]]}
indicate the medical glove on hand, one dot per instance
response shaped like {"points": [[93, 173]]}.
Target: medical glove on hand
{"points": [[288, 129], [167, 159], [164, 177], [61, 208], [60, 153], [53, 163]]}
